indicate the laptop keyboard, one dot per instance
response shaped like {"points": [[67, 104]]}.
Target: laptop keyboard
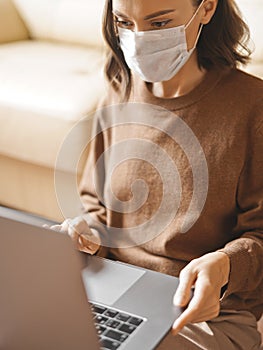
{"points": [[113, 326]]}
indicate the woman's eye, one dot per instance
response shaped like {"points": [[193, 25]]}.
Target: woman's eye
{"points": [[160, 24], [123, 24]]}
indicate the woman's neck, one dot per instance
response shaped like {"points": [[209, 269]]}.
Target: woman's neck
{"points": [[183, 82]]}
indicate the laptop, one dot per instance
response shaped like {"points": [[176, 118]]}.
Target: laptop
{"points": [[54, 297]]}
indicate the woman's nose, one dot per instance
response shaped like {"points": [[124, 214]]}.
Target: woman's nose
{"points": [[139, 27]]}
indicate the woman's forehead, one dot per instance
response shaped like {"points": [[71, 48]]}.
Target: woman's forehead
{"points": [[139, 8]]}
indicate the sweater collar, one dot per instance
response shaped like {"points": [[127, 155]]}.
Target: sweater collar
{"points": [[141, 91]]}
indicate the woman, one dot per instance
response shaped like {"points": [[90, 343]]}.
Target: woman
{"points": [[182, 56]]}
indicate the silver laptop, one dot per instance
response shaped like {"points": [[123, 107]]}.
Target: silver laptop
{"points": [[53, 297]]}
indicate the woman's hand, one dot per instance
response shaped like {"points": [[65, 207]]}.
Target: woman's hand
{"points": [[208, 275], [86, 240]]}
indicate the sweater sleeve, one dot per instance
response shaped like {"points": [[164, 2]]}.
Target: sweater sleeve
{"points": [[246, 251], [92, 185]]}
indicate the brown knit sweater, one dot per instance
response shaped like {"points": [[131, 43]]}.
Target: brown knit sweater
{"points": [[181, 178]]}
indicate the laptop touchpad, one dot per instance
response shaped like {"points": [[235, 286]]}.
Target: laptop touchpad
{"points": [[106, 281]]}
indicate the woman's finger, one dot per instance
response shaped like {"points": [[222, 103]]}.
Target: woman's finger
{"points": [[84, 248], [185, 318], [90, 242], [194, 308], [184, 291], [198, 307]]}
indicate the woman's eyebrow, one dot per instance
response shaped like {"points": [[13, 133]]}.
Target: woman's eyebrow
{"points": [[119, 14], [151, 16], [159, 13]]}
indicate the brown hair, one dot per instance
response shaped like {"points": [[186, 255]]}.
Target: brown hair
{"points": [[222, 43]]}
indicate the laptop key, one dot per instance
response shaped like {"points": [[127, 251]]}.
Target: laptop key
{"points": [[100, 329], [98, 309], [109, 344], [127, 328], [135, 321], [101, 319], [113, 323], [122, 317], [111, 313], [116, 335]]}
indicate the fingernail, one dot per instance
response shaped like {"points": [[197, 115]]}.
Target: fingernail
{"points": [[178, 300], [174, 330]]}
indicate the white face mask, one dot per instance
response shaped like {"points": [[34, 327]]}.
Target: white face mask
{"points": [[157, 55]]}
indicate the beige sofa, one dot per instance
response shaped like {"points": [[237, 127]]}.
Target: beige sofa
{"points": [[252, 11], [51, 59]]}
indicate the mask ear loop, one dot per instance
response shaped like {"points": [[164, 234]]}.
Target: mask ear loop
{"points": [[193, 17], [201, 26], [198, 35]]}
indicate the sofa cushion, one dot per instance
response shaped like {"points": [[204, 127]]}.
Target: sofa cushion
{"points": [[12, 27], [255, 68], [74, 21], [45, 88], [252, 11]]}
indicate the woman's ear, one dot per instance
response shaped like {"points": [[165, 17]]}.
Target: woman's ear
{"points": [[208, 10]]}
